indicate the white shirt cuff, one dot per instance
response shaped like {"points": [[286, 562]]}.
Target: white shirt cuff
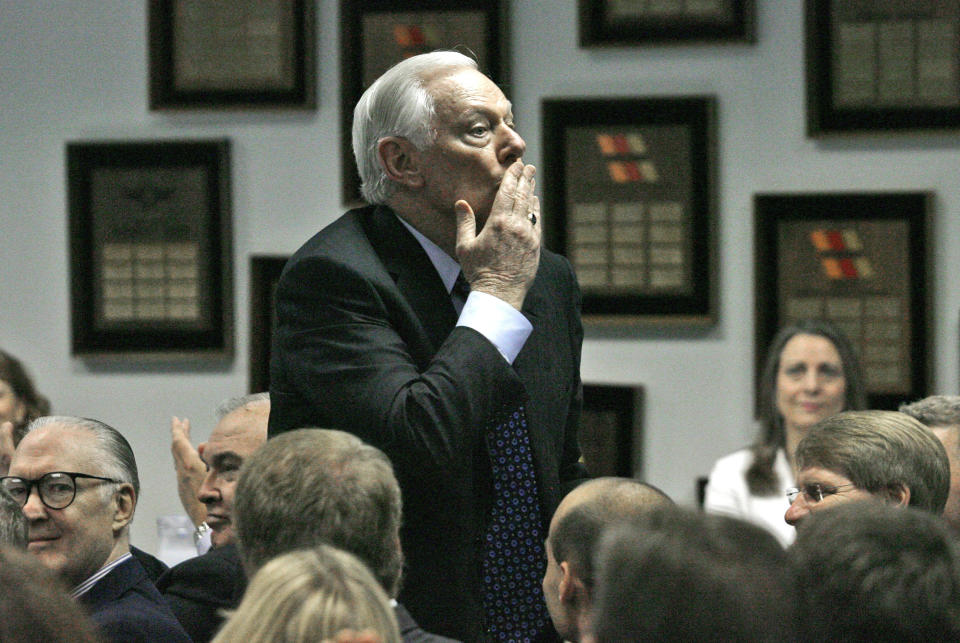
{"points": [[498, 321]]}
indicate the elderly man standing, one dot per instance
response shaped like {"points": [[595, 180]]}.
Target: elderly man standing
{"points": [[199, 588], [941, 413], [433, 325], [77, 482], [316, 486]]}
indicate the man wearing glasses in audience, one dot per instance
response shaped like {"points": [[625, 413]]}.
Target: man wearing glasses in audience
{"points": [[77, 482], [869, 455]]}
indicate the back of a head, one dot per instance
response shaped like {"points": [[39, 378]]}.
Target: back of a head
{"points": [[879, 450], [874, 572], [597, 504], [682, 575], [935, 410], [35, 606], [317, 486], [309, 595], [13, 523]]}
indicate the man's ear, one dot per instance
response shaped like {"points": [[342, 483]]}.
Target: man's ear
{"points": [[125, 501], [571, 588], [899, 494], [400, 161]]}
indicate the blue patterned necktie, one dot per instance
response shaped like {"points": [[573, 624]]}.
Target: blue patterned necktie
{"points": [[514, 560]]}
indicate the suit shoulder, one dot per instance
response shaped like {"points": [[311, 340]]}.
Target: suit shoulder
{"points": [[342, 234]]}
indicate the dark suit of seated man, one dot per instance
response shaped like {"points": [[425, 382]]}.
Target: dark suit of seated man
{"points": [[315, 486], [77, 482], [198, 588]]}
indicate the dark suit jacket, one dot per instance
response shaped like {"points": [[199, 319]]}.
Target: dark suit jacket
{"points": [[128, 608], [198, 588], [366, 342]]}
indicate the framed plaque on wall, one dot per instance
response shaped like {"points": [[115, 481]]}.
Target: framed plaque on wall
{"points": [[209, 54], [150, 248], [264, 277], [631, 22], [611, 430], [377, 34], [881, 66], [858, 260], [628, 198]]}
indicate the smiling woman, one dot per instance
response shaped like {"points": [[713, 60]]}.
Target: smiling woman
{"points": [[810, 373]]}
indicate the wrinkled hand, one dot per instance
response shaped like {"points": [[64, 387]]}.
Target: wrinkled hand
{"points": [[190, 469], [502, 260], [6, 446]]}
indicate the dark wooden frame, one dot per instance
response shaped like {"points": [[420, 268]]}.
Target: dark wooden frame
{"points": [[352, 13], [621, 406], [698, 115], [264, 275], [824, 117], [594, 30], [205, 216], [301, 93], [837, 209]]}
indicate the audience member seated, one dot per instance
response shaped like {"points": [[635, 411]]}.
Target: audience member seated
{"points": [[873, 572], [315, 486], [810, 373], [860, 455], [198, 588], [13, 524], [577, 524], [20, 403], [310, 595], [35, 606], [941, 413], [683, 575], [77, 482]]}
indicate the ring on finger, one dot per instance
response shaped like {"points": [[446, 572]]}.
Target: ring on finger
{"points": [[532, 217]]}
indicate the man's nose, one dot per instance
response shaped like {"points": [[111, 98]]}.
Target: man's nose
{"points": [[513, 147], [796, 511], [208, 491], [34, 508]]}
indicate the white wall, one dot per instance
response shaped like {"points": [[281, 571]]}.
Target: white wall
{"points": [[76, 70]]}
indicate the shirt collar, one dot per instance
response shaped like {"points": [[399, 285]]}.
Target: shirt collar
{"points": [[88, 584], [447, 267]]}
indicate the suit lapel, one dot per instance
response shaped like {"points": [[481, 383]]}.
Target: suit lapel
{"points": [[414, 274]]}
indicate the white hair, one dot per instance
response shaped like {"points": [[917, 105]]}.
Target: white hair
{"points": [[397, 104]]}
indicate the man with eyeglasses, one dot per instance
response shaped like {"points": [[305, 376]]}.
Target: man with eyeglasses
{"points": [[77, 482], [868, 455]]}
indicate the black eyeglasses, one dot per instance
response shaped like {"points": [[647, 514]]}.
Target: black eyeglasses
{"points": [[814, 492], [57, 489]]}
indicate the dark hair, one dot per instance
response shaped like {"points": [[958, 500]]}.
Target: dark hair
{"points": [[35, 606], [879, 451], [869, 571], [314, 486], [678, 574], [13, 373], [761, 477]]}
